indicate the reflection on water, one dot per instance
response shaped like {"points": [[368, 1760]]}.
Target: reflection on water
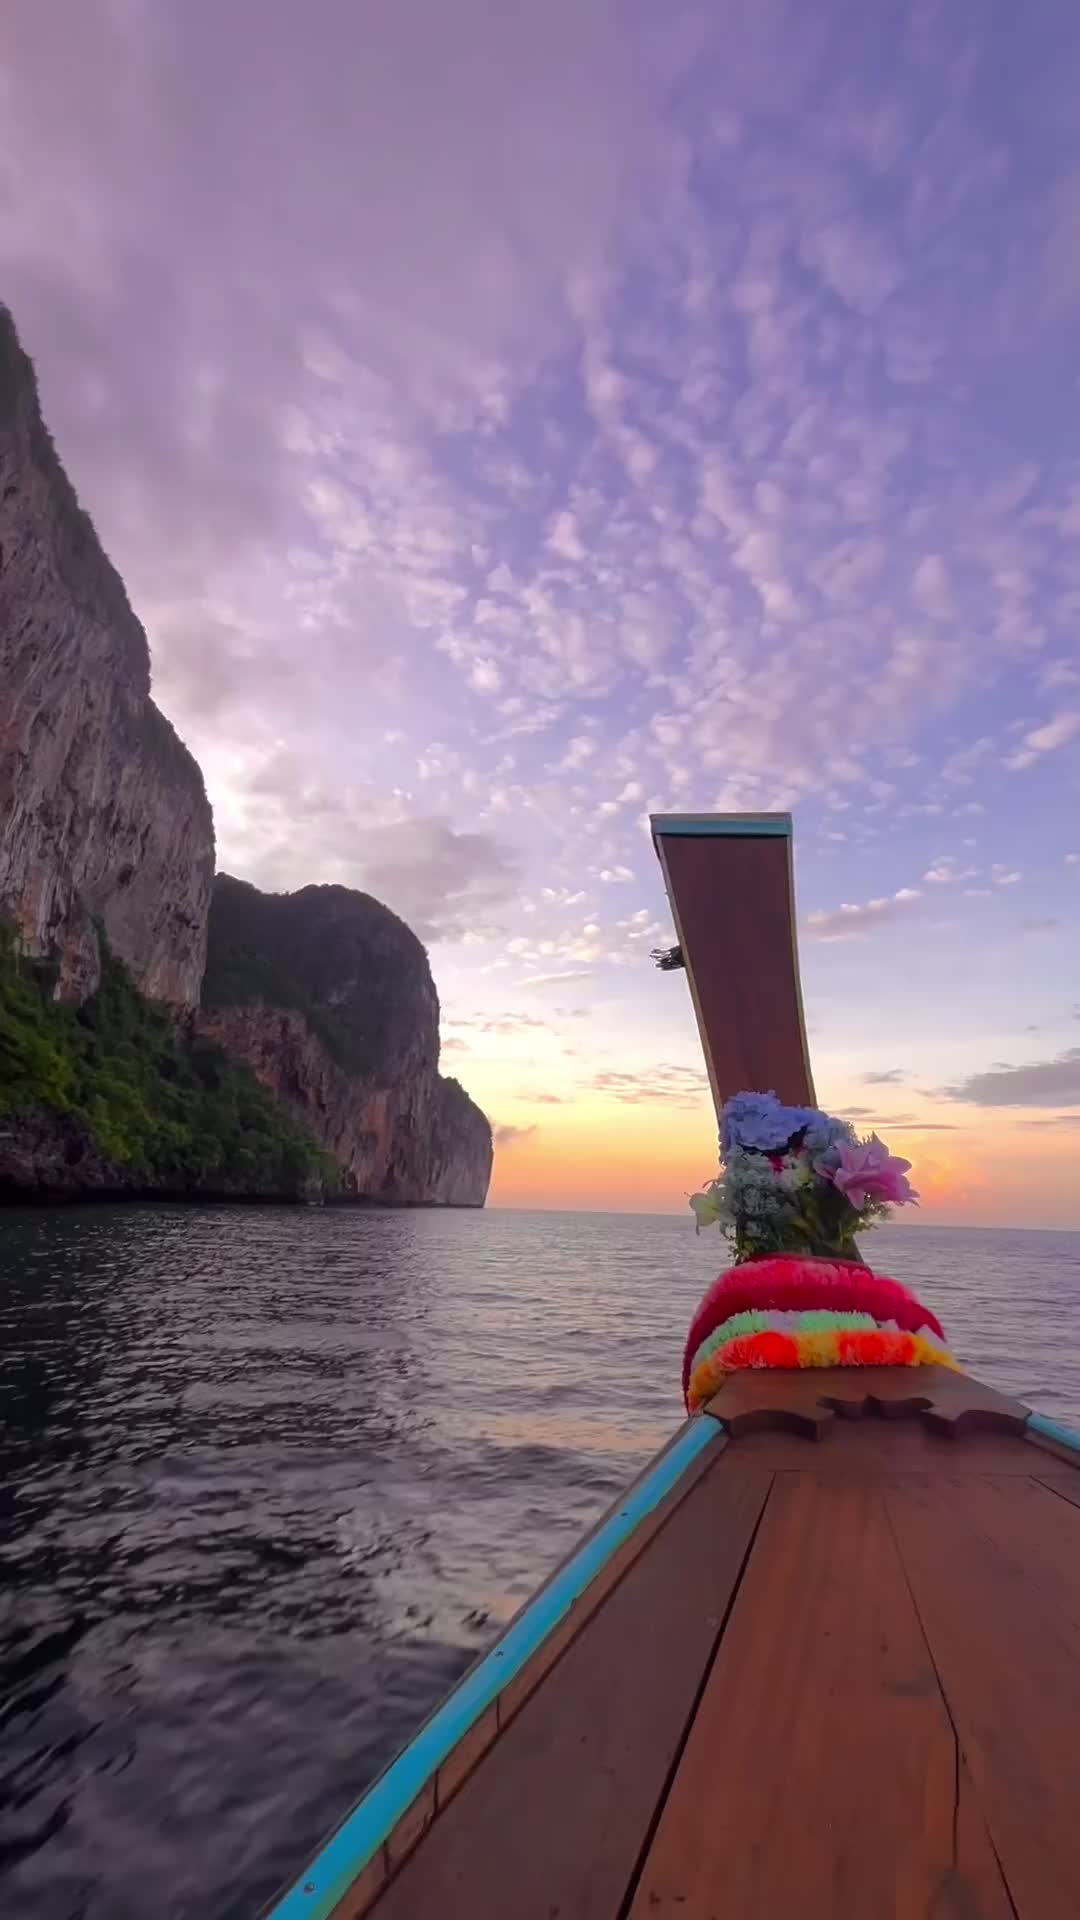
{"points": [[272, 1478]]}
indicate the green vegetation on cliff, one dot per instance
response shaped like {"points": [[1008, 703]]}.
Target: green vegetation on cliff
{"points": [[168, 1108], [357, 974]]}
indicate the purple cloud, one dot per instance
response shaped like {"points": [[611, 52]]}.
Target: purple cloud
{"points": [[1044, 1083], [513, 421]]}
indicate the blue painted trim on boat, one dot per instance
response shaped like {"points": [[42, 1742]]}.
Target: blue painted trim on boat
{"points": [[737, 825], [1065, 1436], [347, 1852]]}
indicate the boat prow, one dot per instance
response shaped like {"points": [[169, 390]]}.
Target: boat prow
{"points": [[823, 1657]]}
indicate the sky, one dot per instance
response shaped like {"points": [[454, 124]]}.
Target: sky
{"points": [[510, 420]]}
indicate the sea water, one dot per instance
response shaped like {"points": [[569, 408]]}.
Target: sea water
{"points": [[272, 1478]]}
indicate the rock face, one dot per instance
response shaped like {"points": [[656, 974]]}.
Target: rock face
{"points": [[105, 824], [329, 998], [53, 1156], [103, 813]]}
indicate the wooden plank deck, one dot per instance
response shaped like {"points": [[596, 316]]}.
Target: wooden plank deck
{"points": [[567, 1793], [995, 1573], [821, 1775], [841, 1678]]}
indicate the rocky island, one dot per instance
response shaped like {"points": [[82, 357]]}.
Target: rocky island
{"points": [[163, 1031]]}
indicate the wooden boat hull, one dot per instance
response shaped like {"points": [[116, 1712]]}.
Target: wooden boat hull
{"points": [[823, 1657]]}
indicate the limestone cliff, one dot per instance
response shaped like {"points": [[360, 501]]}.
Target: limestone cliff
{"points": [[329, 998], [107, 1078], [103, 813]]}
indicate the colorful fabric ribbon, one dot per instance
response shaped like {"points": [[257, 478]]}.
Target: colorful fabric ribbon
{"points": [[793, 1311]]}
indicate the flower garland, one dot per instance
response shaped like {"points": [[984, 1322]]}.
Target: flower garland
{"points": [[794, 1311]]}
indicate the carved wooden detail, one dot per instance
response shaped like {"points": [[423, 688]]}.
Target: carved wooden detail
{"points": [[808, 1400]]}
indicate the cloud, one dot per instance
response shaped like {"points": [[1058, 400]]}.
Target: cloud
{"points": [[550, 979], [289, 827], [641, 926], [484, 675], [854, 260], [436, 877], [419, 435], [579, 752], [850, 922], [885, 1077], [508, 1136], [500, 1024], [564, 539], [1044, 1083], [403, 417], [663, 1084], [292, 136], [945, 869], [1056, 733], [251, 348], [868, 1121]]}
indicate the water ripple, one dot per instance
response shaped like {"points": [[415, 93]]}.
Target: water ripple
{"points": [[272, 1479]]}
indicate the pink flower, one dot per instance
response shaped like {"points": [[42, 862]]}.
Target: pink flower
{"points": [[871, 1172]]}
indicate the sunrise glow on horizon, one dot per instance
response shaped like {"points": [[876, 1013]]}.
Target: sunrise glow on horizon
{"points": [[513, 427], [986, 1173]]}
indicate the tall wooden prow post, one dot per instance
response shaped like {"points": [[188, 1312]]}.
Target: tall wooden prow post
{"points": [[729, 880]]}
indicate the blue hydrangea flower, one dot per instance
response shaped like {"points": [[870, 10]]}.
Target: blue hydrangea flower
{"points": [[825, 1136], [762, 1122], [753, 1120]]}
